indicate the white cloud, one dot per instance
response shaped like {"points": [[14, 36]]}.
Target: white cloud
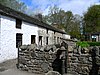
{"points": [[76, 6]]}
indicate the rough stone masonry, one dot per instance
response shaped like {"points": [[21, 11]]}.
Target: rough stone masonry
{"points": [[87, 63], [37, 59]]}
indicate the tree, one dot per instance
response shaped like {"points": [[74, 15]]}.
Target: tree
{"points": [[92, 19], [58, 16], [54, 16], [64, 20], [14, 4], [75, 29]]}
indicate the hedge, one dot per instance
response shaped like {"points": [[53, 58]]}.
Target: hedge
{"points": [[83, 44], [94, 43], [87, 44]]}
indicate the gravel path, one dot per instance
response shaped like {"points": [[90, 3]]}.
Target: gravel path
{"points": [[15, 72], [9, 64], [9, 68]]}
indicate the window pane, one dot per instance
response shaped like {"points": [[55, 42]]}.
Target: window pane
{"points": [[18, 23]]}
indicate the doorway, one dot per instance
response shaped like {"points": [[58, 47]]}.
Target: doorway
{"points": [[33, 39]]}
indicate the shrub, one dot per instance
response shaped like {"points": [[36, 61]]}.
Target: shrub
{"points": [[87, 44], [94, 43], [83, 44]]}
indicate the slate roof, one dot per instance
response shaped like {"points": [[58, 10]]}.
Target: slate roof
{"points": [[18, 15]]}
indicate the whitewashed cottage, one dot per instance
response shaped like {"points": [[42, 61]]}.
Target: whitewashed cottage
{"points": [[17, 27]]}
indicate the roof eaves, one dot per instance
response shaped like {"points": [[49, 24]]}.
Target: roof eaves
{"points": [[16, 14]]}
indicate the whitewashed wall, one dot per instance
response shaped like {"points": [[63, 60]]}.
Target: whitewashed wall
{"points": [[28, 30], [8, 32], [65, 36], [50, 37], [8, 37], [0, 34], [58, 35], [42, 32]]}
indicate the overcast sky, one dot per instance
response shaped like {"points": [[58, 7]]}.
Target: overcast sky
{"points": [[76, 6]]}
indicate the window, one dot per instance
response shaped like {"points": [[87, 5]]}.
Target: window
{"points": [[18, 23], [40, 40], [33, 39], [54, 39], [94, 37], [54, 32], [57, 39], [18, 40], [47, 31], [46, 40]]}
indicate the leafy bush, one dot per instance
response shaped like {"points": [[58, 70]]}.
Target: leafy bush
{"points": [[94, 43], [83, 44], [87, 44]]}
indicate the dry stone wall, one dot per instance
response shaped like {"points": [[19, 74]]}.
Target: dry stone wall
{"points": [[37, 59], [83, 63]]}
